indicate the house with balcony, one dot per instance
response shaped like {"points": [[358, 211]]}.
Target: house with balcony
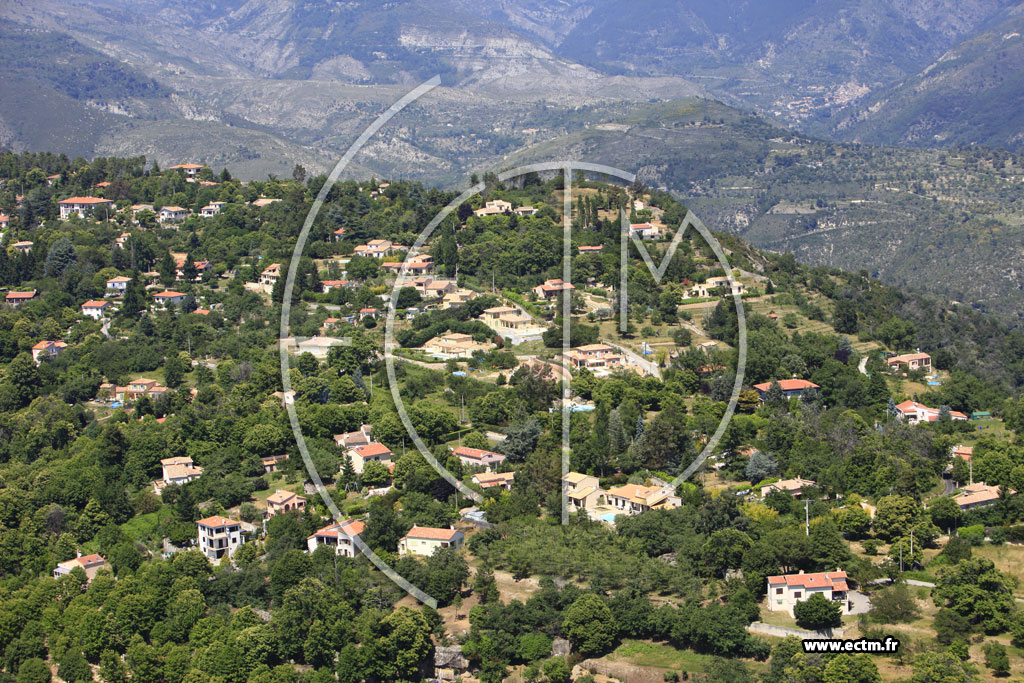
{"points": [[116, 286], [190, 170], [90, 564], [270, 275], [281, 501], [583, 491], [454, 345], [85, 207], [377, 249], [341, 537], [168, 298], [212, 209], [47, 350], [219, 537], [913, 412]]}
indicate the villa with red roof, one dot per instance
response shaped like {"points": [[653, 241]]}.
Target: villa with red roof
{"points": [[83, 206], [913, 412], [478, 457], [552, 288], [191, 170], [339, 536], [979, 495], [15, 299], [96, 309], [790, 387], [787, 590], [425, 541], [371, 452], [46, 350], [90, 564], [168, 297], [270, 274]]}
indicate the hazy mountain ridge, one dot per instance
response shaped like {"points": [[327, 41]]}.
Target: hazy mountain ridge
{"points": [[973, 93]]}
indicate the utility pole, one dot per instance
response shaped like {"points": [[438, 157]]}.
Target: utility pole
{"points": [[807, 517], [911, 546], [971, 464], [901, 555]]}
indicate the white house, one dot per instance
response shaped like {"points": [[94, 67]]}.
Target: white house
{"points": [[913, 412], [173, 213], [644, 231], [176, 471], [787, 590], [793, 487], [191, 170], [84, 206], [168, 297], [219, 536], [96, 309], [211, 209], [632, 499], [341, 537], [46, 350], [425, 541], [486, 480], [116, 286], [270, 274]]}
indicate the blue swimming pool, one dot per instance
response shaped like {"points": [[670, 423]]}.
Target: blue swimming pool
{"points": [[608, 517]]}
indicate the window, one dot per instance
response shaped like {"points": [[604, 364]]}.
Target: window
{"points": [[778, 591], [797, 595]]}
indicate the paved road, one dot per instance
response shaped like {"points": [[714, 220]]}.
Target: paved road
{"points": [[649, 366]]}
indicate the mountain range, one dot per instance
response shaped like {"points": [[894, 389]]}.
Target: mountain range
{"points": [[752, 110]]}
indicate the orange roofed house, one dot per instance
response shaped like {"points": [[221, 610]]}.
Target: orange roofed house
{"points": [[425, 541], [341, 537], [83, 206], [913, 412], [787, 590], [478, 457], [46, 350], [371, 452], [979, 495], [552, 288], [90, 564], [790, 387]]}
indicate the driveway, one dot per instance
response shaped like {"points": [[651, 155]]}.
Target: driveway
{"points": [[859, 603]]}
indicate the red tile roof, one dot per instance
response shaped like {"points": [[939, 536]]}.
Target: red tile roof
{"points": [[371, 450], [431, 533], [216, 522], [85, 200], [834, 580], [788, 385]]}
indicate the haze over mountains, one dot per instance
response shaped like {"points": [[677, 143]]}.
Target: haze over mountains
{"points": [[260, 85]]}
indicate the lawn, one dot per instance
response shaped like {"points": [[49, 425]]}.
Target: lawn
{"points": [[1007, 558], [663, 656], [143, 528]]}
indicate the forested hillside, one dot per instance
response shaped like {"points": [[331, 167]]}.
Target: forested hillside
{"points": [[166, 308]]}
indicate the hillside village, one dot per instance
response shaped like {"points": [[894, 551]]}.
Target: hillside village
{"points": [[149, 474]]}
